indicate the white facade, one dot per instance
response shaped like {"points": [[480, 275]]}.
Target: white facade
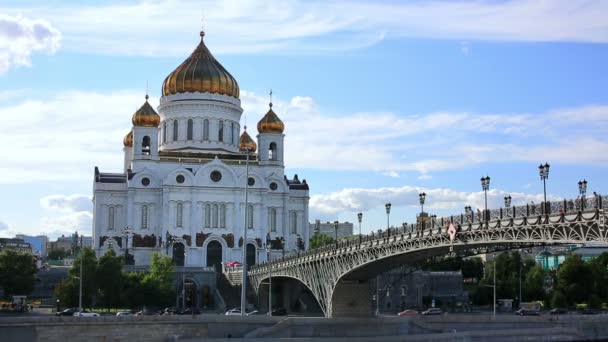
{"points": [[188, 188]]}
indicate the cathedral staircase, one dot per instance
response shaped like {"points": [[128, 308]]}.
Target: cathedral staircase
{"points": [[230, 292]]}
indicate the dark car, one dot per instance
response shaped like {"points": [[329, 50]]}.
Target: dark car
{"points": [[67, 312], [526, 312], [170, 311], [558, 311], [589, 312], [190, 311], [279, 312]]}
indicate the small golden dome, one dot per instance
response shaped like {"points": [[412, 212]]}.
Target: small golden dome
{"points": [[270, 123], [128, 140], [146, 116], [201, 73], [246, 143]]}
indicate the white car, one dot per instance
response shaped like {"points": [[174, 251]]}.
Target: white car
{"points": [[86, 314], [124, 313], [237, 312]]}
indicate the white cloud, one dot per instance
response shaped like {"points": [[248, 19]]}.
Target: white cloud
{"points": [[20, 37], [71, 203], [425, 177], [3, 226], [302, 26], [361, 199], [391, 174], [81, 222], [71, 132]]}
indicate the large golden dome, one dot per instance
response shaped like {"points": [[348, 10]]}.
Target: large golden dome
{"points": [[246, 143], [201, 73], [271, 123], [146, 116], [128, 140]]}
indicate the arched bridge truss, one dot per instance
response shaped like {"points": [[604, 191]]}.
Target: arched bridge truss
{"points": [[335, 273]]}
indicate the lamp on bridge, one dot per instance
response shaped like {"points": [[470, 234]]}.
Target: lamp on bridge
{"points": [[125, 233], [507, 201], [360, 218], [485, 186], [582, 189], [543, 170], [468, 211], [336, 224], [268, 246], [422, 197], [388, 213]]}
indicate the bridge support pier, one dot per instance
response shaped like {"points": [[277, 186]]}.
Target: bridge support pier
{"points": [[351, 298]]}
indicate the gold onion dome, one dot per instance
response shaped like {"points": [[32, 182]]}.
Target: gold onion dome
{"points": [[128, 140], [146, 116], [270, 123], [201, 73], [246, 143]]}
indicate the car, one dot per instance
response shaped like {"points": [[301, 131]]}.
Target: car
{"points": [[67, 312], [526, 312], [124, 313], [558, 311], [169, 311], [146, 312], [407, 312], [432, 311], [190, 311], [589, 312], [85, 313], [279, 312], [237, 312]]}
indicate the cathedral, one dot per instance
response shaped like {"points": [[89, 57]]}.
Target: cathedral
{"points": [[184, 190]]}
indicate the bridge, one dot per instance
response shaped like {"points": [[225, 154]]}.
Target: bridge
{"points": [[338, 275]]}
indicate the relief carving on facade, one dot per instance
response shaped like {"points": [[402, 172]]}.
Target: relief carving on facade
{"points": [[229, 238], [144, 241], [200, 239]]}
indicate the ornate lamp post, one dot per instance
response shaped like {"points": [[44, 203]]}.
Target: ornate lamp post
{"points": [[507, 201], [360, 218], [283, 247], [125, 233], [543, 171], [485, 185], [247, 151], [268, 245], [422, 197], [468, 211], [336, 224], [388, 214], [582, 189]]}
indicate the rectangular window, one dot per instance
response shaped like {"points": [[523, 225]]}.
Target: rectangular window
{"points": [[222, 216], [180, 214], [220, 133], [273, 220], [293, 222], [214, 216], [144, 216], [111, 218], [250, 216], [207, 215]]}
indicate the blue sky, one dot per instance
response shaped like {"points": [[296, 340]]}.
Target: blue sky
{"points": [[381, 100]]}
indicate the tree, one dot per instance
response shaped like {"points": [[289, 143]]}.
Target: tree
{"points": [[534, 284], [575, 279], [320, 240], [594, 302], [158, 285], [67, 291], [472, 268], [110, 278], [558, 300], [57, 254], [17, 273]]}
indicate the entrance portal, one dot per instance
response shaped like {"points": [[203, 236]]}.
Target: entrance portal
{"points": [[250, 254], [214, 255], [178, 254]]}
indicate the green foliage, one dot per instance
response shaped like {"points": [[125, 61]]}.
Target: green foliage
{"points": [[533, 285], [320, 240], [575, 279], [57, 254], [157, 286], [558, 300], [472, 268], [110, 278], [594, 302], [17, 273]]}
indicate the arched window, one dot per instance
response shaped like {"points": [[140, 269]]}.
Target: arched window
{"points": [[175, 130], [145, 145], [232, 133], [180, 215], [220, 131], [250, 216], [164, 132], [293, 222], [206, 129], [272, 151], [222, 216], [214, 216], [190, 128], [111, 218], [273, 220], [207, 215], [144, 216]]}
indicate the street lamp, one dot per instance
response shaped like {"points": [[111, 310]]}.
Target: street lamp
{"points": [[468, 211], [582, 189], [268, 245], [125, 233], [336, 223], [543, 171], [507, 201], [360, 218], [422, 199], [247, 151], [184, 281], [388, 213], [485, 185]]}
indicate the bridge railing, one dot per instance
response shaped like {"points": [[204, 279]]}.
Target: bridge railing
{"points": [[437, 225]]}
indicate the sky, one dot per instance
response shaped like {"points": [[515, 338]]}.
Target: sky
{"points": [[381, 100]]}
